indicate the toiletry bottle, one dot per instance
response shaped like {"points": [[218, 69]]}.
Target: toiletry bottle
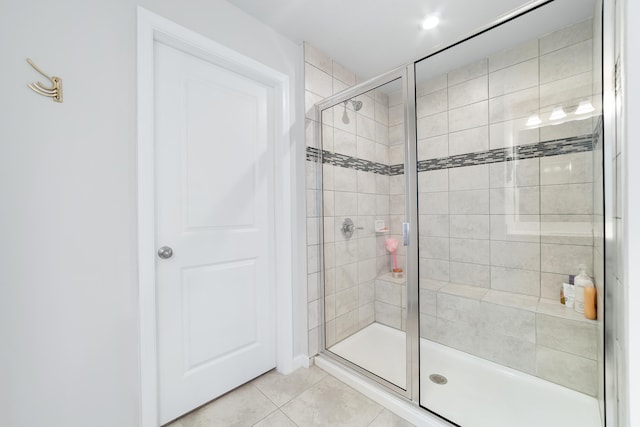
{"points": [[590, 311], [581, 281], [569, 294]]}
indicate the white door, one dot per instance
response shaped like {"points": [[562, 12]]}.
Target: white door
{"points": [[214, 209]]}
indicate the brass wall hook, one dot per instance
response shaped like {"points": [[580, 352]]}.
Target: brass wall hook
{"points": [[54, 92]]}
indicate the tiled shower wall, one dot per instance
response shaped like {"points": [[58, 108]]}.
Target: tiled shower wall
{"points": [[499, 236], [323, 78]]}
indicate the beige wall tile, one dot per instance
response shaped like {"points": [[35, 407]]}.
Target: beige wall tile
{"points": [[565, 62], [434, 247], [469, 116], [468, 92], [433, 148], [469, 141], [511, 133], [566, 199], [470, 274], [468, 72], [514, 280], [432, 103], [515, 228], [432, 85], [570, 336], [469, 202], [567, 168], [565, 259], [575, 372], [470, 251], [317, 58], [520, 173], [514, 78], [567, 36], [513, 105], [469, 178], [470, 226], [434, 125], [520, 255], [566, 91], [523, 52], [318, 81], [516, 200]]}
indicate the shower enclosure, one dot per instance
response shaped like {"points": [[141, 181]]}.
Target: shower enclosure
{"points": [[457, 195]]}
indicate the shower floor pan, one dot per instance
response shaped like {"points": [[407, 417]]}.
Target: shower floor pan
{"points": [[477, 392]]}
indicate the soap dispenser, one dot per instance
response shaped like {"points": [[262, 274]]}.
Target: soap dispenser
{"points": [[590, 303], [581, 281]]}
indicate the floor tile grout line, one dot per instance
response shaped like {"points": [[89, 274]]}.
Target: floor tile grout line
{"points": [[289, 418], [316, 382], [273, 412], [266, 416], [354, 389], [382, 408], [305, 389], [265, 395], [298, 394]]}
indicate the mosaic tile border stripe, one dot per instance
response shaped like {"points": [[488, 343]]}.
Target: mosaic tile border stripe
{"points": [[344, 161], [530, 151], [554, 147]]}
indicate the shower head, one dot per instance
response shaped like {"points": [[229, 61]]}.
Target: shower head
{"points": [[357, 105]]}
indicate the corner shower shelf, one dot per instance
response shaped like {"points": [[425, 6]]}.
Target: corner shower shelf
{"points": [[388, 277], [382, 230]]}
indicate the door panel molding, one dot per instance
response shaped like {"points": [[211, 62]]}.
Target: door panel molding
{"points": [[154, 28]]}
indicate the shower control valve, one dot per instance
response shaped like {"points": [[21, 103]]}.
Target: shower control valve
{"points": [[348, 227]]}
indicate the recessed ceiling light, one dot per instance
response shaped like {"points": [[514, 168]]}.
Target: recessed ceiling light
{"points": [[430, 22]]}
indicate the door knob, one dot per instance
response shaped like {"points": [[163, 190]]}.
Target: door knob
{"points": [[165, 252]]}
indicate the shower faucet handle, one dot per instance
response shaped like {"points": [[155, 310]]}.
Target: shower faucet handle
{"points": [[348, 227]]}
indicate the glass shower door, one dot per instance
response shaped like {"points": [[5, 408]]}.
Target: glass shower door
{"points": [[365, 269], [508, 125]]}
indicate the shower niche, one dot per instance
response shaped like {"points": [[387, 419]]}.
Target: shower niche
{"points": [[458, 194]]}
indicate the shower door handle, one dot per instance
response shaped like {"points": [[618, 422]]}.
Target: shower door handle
{"points": [[405, 233]]}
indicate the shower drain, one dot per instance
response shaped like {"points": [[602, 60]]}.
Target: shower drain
{"points": [[438, 379]]}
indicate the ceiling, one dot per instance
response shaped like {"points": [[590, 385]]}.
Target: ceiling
{"points": [[373, 36]]}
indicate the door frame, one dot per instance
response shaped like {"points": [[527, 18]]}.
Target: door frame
{"points": [[151, 28]]}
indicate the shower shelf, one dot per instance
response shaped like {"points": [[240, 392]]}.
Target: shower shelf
{"points": [[382, 230], [528, 303]]}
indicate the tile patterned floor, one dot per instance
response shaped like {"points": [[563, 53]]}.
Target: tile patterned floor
{"points": [[305, 398]]}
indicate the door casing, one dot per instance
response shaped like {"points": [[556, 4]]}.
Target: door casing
{"points": [[151, 28]]}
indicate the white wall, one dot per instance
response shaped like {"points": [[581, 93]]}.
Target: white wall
{"points": [[68, 307]]}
